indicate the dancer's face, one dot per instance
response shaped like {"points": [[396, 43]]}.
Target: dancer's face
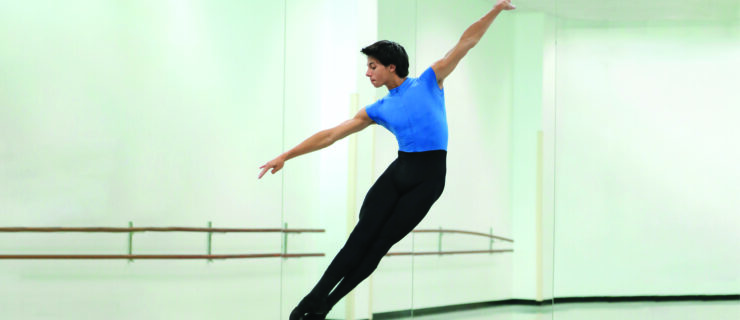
{"points": [[378, 73]]}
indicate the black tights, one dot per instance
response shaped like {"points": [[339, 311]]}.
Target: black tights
{"points": [[395, 204]]}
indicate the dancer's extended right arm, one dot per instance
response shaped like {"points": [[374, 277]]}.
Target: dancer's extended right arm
{"points": [[320, 140]]}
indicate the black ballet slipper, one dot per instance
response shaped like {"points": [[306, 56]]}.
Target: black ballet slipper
{"points": [[297, 314], [309, 308], [319, 311]]}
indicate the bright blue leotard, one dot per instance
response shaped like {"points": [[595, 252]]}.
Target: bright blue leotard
{"points": [[415, 113]]}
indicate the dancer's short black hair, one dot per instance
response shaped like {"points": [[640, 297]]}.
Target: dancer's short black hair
{"points": [[389, 53]]}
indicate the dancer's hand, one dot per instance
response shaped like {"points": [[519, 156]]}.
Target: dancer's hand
{"points": [[274, 164], [504, 5]]}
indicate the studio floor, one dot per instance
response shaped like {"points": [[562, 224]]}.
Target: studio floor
{"points": [[693, 310]]}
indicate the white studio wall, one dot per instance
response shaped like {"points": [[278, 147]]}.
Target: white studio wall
{"points": [[646, 174], [142, 112]]}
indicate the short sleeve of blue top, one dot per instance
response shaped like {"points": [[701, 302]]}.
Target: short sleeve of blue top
{"points": [[415, 113]]}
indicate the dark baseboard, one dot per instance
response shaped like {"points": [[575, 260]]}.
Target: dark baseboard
{"points": [[726, 297], [522, 302]]}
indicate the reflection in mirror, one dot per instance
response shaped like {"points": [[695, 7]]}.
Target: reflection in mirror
{"points": [[646, 160]]}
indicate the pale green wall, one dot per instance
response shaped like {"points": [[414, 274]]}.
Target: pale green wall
{"points": [[152, 112], [530, 40], [647, 175]]}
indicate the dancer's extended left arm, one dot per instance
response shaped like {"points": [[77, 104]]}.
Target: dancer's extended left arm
{"points": [[320, 140], [443, 67]]}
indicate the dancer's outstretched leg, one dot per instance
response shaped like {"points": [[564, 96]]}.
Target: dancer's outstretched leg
{"points": [[409, 211], [375, 211]]}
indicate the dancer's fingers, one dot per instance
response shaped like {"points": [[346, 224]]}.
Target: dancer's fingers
{"points": [[263, 171]]}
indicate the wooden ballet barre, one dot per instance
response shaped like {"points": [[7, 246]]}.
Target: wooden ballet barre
{"points": [[463, 232], [154, 256], [155, 229], [131, 230], [439, 253]]}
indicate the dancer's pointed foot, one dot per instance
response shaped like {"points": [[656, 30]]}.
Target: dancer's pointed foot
{"points": [[310, 307], [318, 312], [297, 314]]}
